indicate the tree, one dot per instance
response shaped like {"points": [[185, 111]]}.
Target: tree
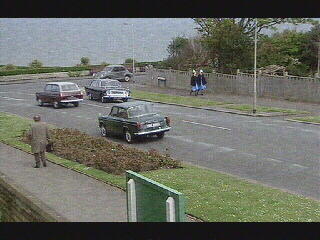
{"points": [[129, 61], [291, 49], [85, 61], [247, 25], [176, 46], [35, 64], [228, 47]]}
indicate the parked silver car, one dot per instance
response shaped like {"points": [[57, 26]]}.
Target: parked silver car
{"points": [[117, 72]]}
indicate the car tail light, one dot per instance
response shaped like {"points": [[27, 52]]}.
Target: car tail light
{"points": [[168, 121], [139, 125]]}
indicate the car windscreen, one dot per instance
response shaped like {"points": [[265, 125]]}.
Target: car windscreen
{"points": [[110, 84], [69, 87], [143, 109]]}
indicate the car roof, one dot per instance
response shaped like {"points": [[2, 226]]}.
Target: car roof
{"points": [[60, 83], [127, 105], [115, 65], [108, 80]]}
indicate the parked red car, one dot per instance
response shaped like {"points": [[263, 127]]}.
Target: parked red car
{"points": [[60, 93]]}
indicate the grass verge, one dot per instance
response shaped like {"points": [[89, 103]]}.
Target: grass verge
{"points": [[210, 195], [312, 119], [197, 102], [166, 98]]}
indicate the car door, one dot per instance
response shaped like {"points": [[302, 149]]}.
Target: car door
{"points": [[54, 93], [45, 96], [122, 72], [120, 120], [115, 73], [110, 123]]}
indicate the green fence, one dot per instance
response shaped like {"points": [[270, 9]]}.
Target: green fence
{"points": [[149, 201]]}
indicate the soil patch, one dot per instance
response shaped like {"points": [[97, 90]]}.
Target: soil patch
{"points": [[100, 153]]}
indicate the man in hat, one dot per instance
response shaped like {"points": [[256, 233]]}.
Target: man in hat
{"points": [[39, 136]]}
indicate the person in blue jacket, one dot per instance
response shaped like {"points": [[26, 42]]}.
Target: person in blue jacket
{"points": [[193, 83], [201, 82]]}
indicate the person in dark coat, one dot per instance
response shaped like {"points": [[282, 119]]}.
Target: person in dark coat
{"points": [[193, 83], [201, 82], [39, 136]]}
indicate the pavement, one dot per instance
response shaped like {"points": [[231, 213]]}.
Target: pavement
{"points": [[70, 195]]}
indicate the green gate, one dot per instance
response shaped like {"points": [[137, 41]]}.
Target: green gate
{"points": [[149, 201]]}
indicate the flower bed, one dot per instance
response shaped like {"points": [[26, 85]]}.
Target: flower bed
{"points": [[99, 153]]}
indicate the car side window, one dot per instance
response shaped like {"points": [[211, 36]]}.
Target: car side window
{"points": [[55, 88], [114, 111], [122, 113], [115, 69], [94, 83], [122, 69], [48, 88]]}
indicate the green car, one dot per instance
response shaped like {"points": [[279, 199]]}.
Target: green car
{"points": [[132, 120]]}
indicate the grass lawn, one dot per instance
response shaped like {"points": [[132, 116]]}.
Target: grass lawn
{"points": [[210, 195], [166, 98], [197, 102], [314, 119]]}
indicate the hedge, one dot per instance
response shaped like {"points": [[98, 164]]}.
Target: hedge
{"points": [[44, 70]]}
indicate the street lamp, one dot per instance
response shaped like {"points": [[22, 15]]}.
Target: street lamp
{"points": [[254, 110], [318, 70], [133, 70]]}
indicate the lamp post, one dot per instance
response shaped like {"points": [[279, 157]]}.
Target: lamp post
{"points": [[318, 70], [254, 110], [133, 70]]}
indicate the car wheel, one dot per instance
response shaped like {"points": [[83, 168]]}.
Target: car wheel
{"points": [[128, 136], [56, 105], [103, 131], [76, 104], [160, 135], [103, 100], [127, 78], [40, 103]]}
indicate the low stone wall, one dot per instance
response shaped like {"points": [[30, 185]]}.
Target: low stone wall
{"points": [[17, 205], [39, 76], [283, 87]]}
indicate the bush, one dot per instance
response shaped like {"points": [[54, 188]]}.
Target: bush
{"points": [[43, 70], [85, 61], [105, 155], [74, 74], [104, 64], [35, 64], [10, 67]]}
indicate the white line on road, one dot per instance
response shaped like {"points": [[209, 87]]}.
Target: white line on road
{"points": [[207, 125], [298, 165], [16, 99], [94, 105], [274, 160]]}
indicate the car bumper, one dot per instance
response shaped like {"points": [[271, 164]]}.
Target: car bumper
{"points": [[116, 97], [152, 131], [71, 101]]}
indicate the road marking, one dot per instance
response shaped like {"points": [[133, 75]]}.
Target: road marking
{"points": [[298, 165], [207, 125], [16, 99], [20, 93], [94, 105], [274, 160]]}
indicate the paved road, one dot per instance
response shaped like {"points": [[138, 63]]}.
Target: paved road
{"points": [[268, 150]]}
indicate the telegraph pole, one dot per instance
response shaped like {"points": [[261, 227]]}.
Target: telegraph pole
{"points": [[318, 60], [254, 110]]}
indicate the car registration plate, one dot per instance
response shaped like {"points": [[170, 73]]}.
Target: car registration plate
{"points": [[153, 125]]}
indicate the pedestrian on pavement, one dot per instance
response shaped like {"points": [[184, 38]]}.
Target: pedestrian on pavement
{"points": [[193, 83], [39, 136], [201, 81]]}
